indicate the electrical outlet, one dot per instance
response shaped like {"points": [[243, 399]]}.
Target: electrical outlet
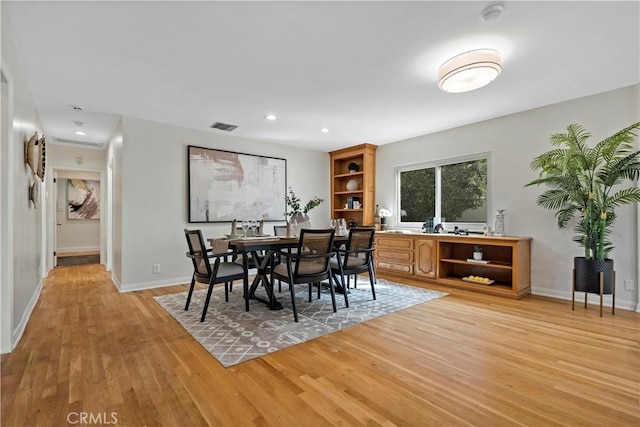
{"points": [[156, 268], [628, 285]]}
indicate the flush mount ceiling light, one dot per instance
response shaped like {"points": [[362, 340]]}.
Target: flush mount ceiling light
{"points": [[469, 71], [270, 117], [79, 132], [324, 130]]}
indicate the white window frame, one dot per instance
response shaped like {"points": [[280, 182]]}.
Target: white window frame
{"points": [[449, 225]]}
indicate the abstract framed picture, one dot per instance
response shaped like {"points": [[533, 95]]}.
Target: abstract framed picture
{"points": [[225, 185], [83, 197]]}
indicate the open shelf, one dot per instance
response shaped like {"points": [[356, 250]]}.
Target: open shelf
{"points": [[492, 264]]}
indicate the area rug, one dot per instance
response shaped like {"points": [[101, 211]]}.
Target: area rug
{"points": [[233, 335]]}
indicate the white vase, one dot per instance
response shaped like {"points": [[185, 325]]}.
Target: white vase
{"points": [[352, 185], [499, 226], [302, 221]]}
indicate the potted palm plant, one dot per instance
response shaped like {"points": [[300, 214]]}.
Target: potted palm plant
{"points": [[586, 184]]}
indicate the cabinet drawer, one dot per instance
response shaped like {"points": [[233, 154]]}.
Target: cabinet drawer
{"points": [[384, 254], [394, 242], [401, 268]]}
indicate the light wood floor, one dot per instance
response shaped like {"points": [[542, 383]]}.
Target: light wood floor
{"points": [[465, 359]]}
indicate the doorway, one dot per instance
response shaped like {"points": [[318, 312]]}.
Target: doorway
{"points": [[77, 211]]}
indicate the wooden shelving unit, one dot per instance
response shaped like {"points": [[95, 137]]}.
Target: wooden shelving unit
{"points": [[443, 259], [364, 155]]}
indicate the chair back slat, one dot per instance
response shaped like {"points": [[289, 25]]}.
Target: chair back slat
{"points": [[195, 241], [361, 238], [314, 242]]}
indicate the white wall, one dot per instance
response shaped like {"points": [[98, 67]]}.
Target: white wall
{"points": [[155, 195], [514, 141], [23, 262], [75, 235]]}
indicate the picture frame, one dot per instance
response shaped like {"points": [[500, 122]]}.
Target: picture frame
{"points": [[227, 185], [83, 199]]}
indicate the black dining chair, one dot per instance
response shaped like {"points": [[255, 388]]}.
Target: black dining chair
{"points": [[309, 264], [355, 258], [222, 271]]}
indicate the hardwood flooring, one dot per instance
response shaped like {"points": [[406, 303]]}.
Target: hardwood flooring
{"points": [[465, 359]]}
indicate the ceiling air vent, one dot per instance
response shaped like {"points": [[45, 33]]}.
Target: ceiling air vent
{"points": [[223, 126], [76, 143]]}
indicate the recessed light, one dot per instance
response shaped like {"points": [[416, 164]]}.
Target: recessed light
{"points": [[324, 130], [270, 117], [79, 132]]}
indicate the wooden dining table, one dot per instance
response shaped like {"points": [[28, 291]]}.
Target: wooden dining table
{"points": [[252, 246]]}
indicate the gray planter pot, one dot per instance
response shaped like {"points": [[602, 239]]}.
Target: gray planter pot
{"points": [[587, 275]]}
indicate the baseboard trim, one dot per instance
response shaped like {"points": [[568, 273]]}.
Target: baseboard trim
{"points": [[591, 298], [115, 282], [19, 331], [78, 249], [156, 284]]}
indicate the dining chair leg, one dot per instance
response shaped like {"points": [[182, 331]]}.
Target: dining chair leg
{"points": [[293, 296], [206, 302], [245, 291], [226, 291], [193, 284], [333, 294], [372, 279], [310, 290]]}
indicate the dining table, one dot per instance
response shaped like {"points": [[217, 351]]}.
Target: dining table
{"points": [[262, 249]]}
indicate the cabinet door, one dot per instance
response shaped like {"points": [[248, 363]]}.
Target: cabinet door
{"points": [[425, 258]]}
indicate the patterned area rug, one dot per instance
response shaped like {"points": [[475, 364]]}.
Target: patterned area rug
{"points": [[233, 335]]}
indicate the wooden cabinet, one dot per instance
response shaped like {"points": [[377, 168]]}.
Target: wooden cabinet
{"points": [[445, 259], [394, 255], [425, 256], [349, 186], [507, 261]]}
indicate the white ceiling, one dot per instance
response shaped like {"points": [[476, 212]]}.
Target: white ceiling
{"points": [[365, 70]]}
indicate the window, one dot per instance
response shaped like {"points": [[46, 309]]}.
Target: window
{"points": [[454, 190]]}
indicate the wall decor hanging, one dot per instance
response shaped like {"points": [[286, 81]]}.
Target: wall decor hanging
{"points": [[33, 194], [31, 152], [225, 185], [83, 197], [41, 159]]}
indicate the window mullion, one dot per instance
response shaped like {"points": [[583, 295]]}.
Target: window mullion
{"points": [[438, 195]]}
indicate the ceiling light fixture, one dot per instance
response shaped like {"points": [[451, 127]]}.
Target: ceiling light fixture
{"points": [[324, 130], [469, 71], [270, 117], [79, 132]]}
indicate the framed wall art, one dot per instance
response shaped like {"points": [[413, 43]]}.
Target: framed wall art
{"points": [[225, 185], [83, 199]]}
